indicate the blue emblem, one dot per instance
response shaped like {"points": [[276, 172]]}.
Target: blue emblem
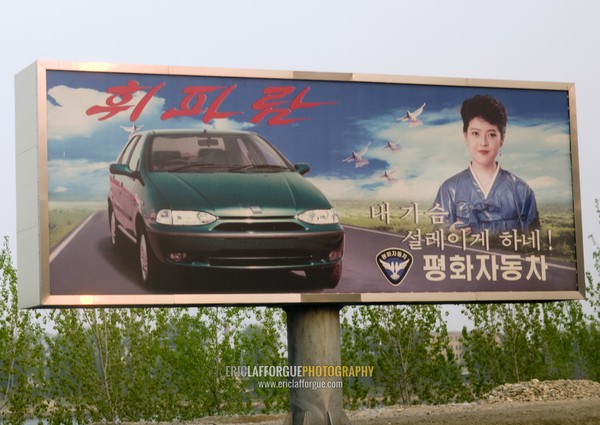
{"points": [[394, 263]]}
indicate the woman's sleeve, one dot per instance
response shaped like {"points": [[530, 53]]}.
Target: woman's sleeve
{"points": [[530, 219]]}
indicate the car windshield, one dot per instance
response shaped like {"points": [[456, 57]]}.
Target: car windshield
{"points": [[214, 152]]}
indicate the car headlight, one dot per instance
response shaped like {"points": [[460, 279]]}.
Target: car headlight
{"points": [[184, 218], [319, 217]]}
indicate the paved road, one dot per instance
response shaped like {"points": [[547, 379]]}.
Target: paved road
{"points": [[86, 264]]}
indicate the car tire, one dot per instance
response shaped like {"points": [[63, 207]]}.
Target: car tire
{"points": [[117, 239], [326, 277], [151, 270]]}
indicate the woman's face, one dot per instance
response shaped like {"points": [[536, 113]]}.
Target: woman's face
{"points": [[483, 141]]}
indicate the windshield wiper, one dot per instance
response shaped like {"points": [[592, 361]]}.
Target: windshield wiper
{"points": [[195, 165], [259, 167]]}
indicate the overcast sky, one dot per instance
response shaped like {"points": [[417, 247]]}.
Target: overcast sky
{"points": [[554, 40]]}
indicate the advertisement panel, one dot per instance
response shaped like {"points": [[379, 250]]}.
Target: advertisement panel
{"points": [[151, 185]]}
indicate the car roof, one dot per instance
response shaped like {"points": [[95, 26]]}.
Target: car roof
{"points": [[191, 131]]}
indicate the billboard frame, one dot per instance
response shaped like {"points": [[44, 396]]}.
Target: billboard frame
{"points": [[33, 251]]}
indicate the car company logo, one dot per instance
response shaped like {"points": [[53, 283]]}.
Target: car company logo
{"points": [[394, 263], [255, 209]]}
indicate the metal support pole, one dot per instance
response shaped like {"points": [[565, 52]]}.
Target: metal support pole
{"points": [[314, 341]]}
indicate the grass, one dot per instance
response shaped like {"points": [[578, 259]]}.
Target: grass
{"points": [[64, 217]]}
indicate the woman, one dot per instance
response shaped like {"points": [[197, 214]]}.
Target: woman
{"points": [[484, 196]]}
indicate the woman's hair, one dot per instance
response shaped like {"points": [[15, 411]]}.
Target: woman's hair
{"points": [[485, 107]]}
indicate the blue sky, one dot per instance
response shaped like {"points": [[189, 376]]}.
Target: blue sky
{"points": [[345, 117]]}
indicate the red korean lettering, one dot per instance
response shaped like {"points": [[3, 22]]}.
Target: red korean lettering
{"points": [[120, 100], [194, 101], [274, 103], [213, 113]]}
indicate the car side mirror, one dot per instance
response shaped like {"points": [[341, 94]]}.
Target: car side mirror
{"points": [[302, 168], [121, 170]]}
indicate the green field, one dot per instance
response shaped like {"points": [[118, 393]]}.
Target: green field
{"points": [[65, 216]]}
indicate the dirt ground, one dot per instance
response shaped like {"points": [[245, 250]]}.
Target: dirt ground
{"points": [[522, 413], [561, 402], [562, 412]]}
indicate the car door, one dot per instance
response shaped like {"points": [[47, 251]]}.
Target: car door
{"points": [[121, 187], [130, 187]]}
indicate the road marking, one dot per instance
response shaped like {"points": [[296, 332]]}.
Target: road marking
{"points": [[63, 244]]}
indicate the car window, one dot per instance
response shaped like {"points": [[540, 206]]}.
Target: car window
{"points": [[169, 152], [126, 152], [261, 153], [134, 159], [212, 153]]}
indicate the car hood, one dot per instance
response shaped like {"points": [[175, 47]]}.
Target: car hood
{"points": [[231, 194]]}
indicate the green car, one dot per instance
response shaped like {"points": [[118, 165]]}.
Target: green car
{"points": [[215, 199]]}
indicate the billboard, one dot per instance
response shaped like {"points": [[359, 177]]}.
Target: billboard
{"points": [[159, 185]]}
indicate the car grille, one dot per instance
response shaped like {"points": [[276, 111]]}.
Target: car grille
{"points": [[253, 258], [258, 227]]}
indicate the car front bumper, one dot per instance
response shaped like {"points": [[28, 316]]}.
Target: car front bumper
{"points": [[268, 250]]}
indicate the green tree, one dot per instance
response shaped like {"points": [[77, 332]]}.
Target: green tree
{"points": [[146, 387], [262, 343], [564, 341], [21, 351], [104, 365], [517, 342], [357, 350], [159, 364], [203, 343], [409, 347], [592, 345], [500, 346], [84, 354], [570, 337]]}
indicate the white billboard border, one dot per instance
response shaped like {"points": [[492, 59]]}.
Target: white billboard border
{"points": [[32, 211]]}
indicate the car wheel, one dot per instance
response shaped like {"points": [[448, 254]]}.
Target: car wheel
{"points": [[327, 277], [150, 267], [116, 237]]}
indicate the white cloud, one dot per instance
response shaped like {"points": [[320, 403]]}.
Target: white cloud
{"points": [[67, 117], [78, 179], [377, 188], [429, 155], [227, 124], [544, 182]]}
